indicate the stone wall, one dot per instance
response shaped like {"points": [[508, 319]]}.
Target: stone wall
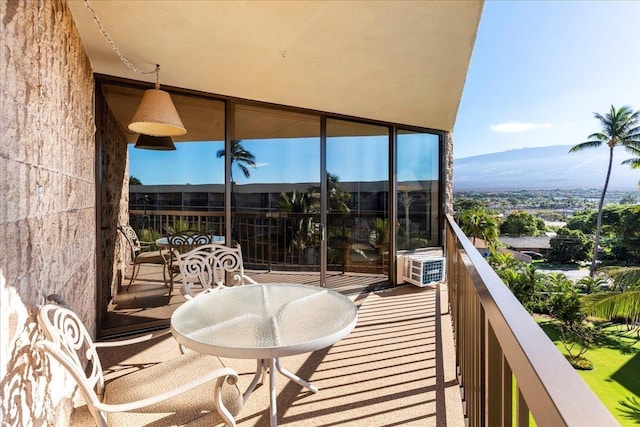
{"points": [[448, 173], [114, 204], [48, 238]]}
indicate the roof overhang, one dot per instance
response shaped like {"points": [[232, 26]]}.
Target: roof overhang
{"points": [[395, 61]]}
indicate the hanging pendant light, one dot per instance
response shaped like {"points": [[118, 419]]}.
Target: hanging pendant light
{"points": [[156, 115], [149, 142]]}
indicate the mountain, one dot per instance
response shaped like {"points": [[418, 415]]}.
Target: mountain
{"points": [[544, 168]]}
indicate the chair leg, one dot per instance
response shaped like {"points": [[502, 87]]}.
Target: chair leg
{"points": [[164, 274], [134, 274]]}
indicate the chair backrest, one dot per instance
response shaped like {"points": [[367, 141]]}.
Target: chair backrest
{"points": [[185, 241], [132, 239], [211, 266], [67, 333]]}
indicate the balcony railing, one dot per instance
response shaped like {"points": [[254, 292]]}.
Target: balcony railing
{"points": [[509, 370], [273, 240]]}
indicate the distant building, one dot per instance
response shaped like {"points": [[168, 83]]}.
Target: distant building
{"points": [[540, 244]]}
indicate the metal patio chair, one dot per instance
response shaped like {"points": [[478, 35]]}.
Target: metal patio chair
{"points": [[176, 392], [212, 266], [141, 254]]}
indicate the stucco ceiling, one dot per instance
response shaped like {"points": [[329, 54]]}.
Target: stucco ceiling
{"points": [[396, 61]]}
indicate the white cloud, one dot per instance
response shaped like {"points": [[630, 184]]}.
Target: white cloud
{"points": [[519, 127]]}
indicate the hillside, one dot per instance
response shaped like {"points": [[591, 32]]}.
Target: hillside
{"points": [[543, 168]]}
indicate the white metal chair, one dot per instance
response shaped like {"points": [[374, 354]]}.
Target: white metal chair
{"points": [[140, 254], [174, 392], [212, 266]]}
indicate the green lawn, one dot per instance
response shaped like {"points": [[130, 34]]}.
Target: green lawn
{"points": [[615, 377]]}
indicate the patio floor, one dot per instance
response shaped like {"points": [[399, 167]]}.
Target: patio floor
{"points": [[395, 369]]}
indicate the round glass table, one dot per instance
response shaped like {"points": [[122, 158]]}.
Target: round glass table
{"points": [[264, 322]]}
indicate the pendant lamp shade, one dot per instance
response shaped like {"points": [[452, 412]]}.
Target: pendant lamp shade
{"points": [[149, 142], [157, 116]]}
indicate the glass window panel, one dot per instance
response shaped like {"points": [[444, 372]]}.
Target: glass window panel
{"points": [[275, 196], [189, 180], [418, 198], [358, 196]]}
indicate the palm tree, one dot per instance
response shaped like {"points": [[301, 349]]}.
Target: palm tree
{"points": [[634, 162], [619, 128], [338, 198], [242, 157], [478, 223], [613, 305], [624, 302]]}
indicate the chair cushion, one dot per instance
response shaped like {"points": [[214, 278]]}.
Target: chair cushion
{"points": [[151, 257], [164, 376]]}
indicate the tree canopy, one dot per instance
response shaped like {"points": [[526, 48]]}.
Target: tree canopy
{"points": [[520, 223]]}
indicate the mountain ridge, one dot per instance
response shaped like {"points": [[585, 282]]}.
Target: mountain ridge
{"points": [[544, 168]]}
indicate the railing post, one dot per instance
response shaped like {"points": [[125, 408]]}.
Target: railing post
{"points": [[494, 399], [522, 410]]}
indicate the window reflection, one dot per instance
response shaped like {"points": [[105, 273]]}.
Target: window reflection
{"points": [[358, 196], [418, 188], [275, 195]]}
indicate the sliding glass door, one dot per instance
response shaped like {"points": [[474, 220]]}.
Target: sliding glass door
{"points": [[275, 188], [358, 196]]}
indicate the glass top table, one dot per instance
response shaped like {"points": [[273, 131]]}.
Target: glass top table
{"points": [[264, 322]]}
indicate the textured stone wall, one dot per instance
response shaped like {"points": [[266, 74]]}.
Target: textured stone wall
{"points": [[48, 239], [448, 173], [114, 206]]}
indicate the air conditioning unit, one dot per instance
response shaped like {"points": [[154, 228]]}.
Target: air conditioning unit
{"points": [[423, 270]]}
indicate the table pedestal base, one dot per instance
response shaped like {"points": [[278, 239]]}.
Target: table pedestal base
{"points": [[274, 365]]}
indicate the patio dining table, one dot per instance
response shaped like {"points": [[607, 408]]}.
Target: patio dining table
{"points": [[264, 322]]}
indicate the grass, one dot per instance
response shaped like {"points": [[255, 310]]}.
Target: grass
{"points": [[615, 377]]}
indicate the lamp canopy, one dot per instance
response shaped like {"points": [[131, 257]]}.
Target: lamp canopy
{"points": [[149, 142], [157, 116]]}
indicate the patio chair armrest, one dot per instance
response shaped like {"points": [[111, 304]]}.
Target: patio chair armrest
{"points": [[135, 340], [51, 349], [242, 279], [220, 375], [248, 279], [185, 290]]}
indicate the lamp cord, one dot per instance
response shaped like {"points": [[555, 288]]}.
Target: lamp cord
{"points": [[117, 51]]}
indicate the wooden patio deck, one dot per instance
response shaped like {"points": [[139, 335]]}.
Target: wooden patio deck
{"points": [[397, 367], [147, 305]]}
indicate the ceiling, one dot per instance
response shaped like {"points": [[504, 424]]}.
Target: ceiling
{"points": [[396, 61]]}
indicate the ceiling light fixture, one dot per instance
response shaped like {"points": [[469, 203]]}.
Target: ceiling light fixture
{"points": [[149, 142], [156, 115]]}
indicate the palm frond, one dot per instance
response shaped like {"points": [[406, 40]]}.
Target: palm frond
{"points": [[634, 163], [584, 145], [611, 305], [628, 276]]}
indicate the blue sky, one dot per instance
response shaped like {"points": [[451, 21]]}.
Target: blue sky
{"points": [[539, 71]]}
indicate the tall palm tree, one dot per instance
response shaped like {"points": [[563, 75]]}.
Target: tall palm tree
{"points": [[619, 128], [240, 156]]}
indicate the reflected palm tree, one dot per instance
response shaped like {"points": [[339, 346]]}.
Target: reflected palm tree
{"points": [[339, 199], [240, 156]]}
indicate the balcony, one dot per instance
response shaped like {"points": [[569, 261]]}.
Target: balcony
{"points": [[401, 365], [65, 162], [395, 368]]}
